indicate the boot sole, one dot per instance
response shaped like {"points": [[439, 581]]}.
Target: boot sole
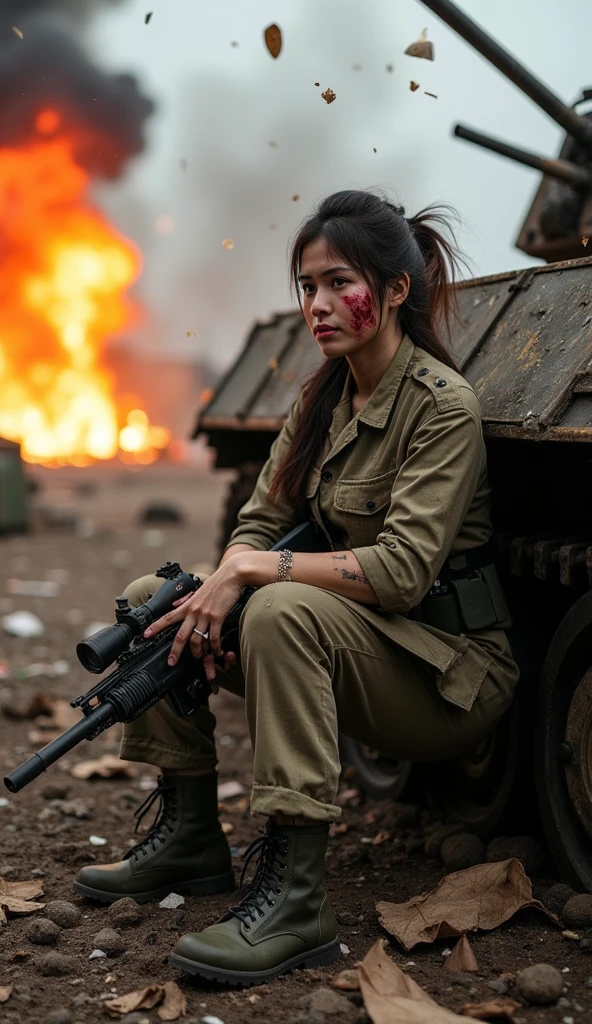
{"points": [[194, 887], [319, 957]]}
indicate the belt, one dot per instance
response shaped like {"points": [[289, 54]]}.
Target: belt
{"points": [[466, 595]]}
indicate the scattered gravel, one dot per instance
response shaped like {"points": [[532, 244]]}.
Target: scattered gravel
{"points": [[55, 791], [63, 913], [43, 932], [61, 1016], [462, 851], [556, 897], [55, 965], [72, 808], [125, 912], [110, 941], [526, 849], [577, 912], [326, 1002], [540, 984]]}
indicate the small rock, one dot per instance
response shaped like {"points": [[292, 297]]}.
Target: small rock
{"points": [[556, 897], [81, 999], [347, 981], [72, 808], [125, 913], [172, 901], [586, 942], [563, 1003], [161, 512], [314, 1017], [110, 941], [63, 913], [54, 791], [348, 919], [97, 954], [462, 851], [97, 840], [540, 984], [329, 1003], [435, 836], [139, 1017], [526, 849], [577, 912], [499, 985], [211, 1020], [61, 1016], [36, 873], [43, 932], [55, 965], [462, 980]]}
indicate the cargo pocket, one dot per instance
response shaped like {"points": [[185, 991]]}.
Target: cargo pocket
{"points": [[364, 504]]}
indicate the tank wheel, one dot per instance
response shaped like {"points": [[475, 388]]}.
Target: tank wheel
{"points": [[478, 788], [563, 745], [379, 777], [239, 492]]}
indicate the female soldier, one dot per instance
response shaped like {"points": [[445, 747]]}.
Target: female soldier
{"points": [[393, 635]]}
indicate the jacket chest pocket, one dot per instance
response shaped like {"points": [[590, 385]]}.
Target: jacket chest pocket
{"points": [[364, 503]]}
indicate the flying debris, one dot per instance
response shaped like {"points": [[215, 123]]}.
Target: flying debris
{"points": [[228, 243], [422, 47], [147, 17], [328, 95], [273, 40], [413, 86]]}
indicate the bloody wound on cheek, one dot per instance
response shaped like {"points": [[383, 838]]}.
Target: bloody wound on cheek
{"points": [[361, 313]]}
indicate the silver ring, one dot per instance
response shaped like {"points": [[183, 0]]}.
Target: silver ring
{"points": [[205, 635]]}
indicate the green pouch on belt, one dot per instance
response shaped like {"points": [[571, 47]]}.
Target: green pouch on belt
{"points": [[475, 602]]}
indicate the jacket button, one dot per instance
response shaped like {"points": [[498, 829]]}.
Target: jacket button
{"points": [[423, 371], [440, 383], [371, 505], [327, 476]]}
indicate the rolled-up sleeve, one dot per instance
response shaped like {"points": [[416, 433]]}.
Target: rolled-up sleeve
{"points": [[430, 498], [262, 523]]}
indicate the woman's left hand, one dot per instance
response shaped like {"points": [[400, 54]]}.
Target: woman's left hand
{"points": [[206, 609]]}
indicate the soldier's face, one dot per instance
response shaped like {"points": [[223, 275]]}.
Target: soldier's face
{"points": [[337, 303]]}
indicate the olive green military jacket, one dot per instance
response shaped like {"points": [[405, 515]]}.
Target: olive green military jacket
{"points": [[403, 484]]}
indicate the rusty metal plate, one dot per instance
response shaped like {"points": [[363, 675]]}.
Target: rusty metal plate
{"points": [[480, 302], [524, 371], [263, 350], [298, 360]]}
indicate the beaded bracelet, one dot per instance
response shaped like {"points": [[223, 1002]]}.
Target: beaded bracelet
{"points": [[285, 564]]}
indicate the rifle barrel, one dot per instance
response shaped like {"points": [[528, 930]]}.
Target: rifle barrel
{"points": [[101, 718], [579, 127], [563, 170]]}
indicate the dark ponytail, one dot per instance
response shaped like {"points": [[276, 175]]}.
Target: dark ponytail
{"points": [[374, 238]]}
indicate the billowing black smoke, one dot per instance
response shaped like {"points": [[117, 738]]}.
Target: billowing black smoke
{"points": [[48, 68]]}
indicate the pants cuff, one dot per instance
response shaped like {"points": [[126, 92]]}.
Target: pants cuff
{"points": [[163, 756], [271, 800]]}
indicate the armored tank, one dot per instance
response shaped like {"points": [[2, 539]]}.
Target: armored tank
{"points": [[524, 342]]}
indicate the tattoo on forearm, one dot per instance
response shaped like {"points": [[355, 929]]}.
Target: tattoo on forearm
{"points": [[358, 576], [339, 558]]}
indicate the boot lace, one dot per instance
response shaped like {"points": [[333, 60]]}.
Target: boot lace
{"points": [[162, 826], [272, 850]]}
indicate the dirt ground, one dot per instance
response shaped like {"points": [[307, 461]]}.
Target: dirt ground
{"points": [[92, 563]]}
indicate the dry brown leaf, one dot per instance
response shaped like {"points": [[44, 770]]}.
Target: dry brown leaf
{"points": [[462, 958], [422, 47], [481, 897], [17, 898], [328, 95], [381, 837], [174, 1003], [338, 828], [273, 40], [108, 766], [191, 334], [414, 86], [491, 1009], [141, 999], [5, 993], [392, 997], [585, 240]]}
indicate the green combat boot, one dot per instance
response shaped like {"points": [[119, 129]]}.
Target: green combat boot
{"points": [[283, 921], [185, 851]]}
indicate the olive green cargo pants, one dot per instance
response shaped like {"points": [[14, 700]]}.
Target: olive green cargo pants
{"points": [[310, 667]]}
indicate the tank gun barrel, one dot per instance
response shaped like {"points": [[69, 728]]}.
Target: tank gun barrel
{"points": [[563, 170], [578, 127]]}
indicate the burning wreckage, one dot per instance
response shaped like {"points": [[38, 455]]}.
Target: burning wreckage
{"points": [[524, 341], [64, 269]]}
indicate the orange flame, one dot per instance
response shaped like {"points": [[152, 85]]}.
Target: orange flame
{"points": [[64, 274]]}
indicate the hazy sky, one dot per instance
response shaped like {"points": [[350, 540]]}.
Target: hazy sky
{"points": [[219, 107]]}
